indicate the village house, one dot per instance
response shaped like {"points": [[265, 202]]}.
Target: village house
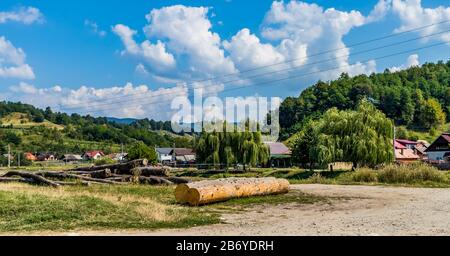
{"points": [[93, 155], [164, 155], [118, 156], [30, 156], [421, 148], [46, 157], [72, 158], [183, 155], [405, 151], [439, 150], [280, 155]]}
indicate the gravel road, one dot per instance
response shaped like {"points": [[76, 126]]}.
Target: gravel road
{"points": [[363, 210]]}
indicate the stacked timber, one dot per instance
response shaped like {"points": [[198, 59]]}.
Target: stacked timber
{"points": [[209, 191], [135, 171]]}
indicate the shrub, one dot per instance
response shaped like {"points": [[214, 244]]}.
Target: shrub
{"points": [[412, 173], [317, 178], [104, 160], [139, 150], [364, 175]]}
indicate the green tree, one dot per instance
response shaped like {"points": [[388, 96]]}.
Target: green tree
{"points": [[227, 148], [362, 136], [139, 150], [431, 114]]}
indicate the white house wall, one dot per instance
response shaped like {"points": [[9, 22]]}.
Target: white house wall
{"points": [[436, 155]]}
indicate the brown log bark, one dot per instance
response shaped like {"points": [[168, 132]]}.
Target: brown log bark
{"points": [[154, 180], [150, 171], [178, 180], [8, 179], [209, 191], [100, 174], [63, 175], [36, 178], [120, 168]]}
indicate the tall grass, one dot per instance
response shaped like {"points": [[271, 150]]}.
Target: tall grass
{"points": [[364, 175], [405, 174], [413, 173]]}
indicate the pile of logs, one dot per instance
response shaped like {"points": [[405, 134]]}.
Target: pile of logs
{"points": [[209, 191], [135, 171]]}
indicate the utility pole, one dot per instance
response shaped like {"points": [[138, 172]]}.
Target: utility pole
{"points": [[18, 159], [9, 156], [393, 144], [121, 155]]}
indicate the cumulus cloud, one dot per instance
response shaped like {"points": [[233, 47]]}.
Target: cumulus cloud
{"points": [[154, 54], [24, 88], [117, 101], [12, 62], [25, 15], [93, 26], [304, 29], [413, 15], [188, 33], [247, 51], [411, 61]]}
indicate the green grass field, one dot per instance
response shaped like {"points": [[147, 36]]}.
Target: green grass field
{"points": [[26, 208]]}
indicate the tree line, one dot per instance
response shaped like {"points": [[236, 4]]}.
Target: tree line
{"points": [[418, 97]]}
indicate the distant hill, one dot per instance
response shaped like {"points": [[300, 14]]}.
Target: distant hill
{"points": [[121, 120], [29, 129], [22, 120]]}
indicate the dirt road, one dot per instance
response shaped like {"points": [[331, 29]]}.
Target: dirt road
{"points": [[367, 210], [352, 210]]}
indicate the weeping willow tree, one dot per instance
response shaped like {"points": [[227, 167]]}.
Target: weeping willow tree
{"points": [[363, 137], [229, 147]]}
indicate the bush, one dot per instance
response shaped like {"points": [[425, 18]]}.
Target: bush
{"points": [[139, 150], [412, 173], [317, 178], [364, 175], [104, 160]]}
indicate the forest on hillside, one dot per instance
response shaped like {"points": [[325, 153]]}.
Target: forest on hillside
{"points": [[418, 97], [77, 131]]}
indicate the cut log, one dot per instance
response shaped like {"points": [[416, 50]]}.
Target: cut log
{"points": [[36, 178], [119, 168], [75, 183], [150, 171], [8, 179], [209, 191], [154, 180], [178, 180], [100, 174], [63, 175]]}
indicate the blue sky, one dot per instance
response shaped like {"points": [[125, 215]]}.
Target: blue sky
{"points": [[77, 55]]}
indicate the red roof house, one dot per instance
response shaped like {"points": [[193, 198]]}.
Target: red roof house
{"points": [[93, 155]]}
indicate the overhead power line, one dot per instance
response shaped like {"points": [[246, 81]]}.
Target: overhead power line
{"points": [[290, 77], [75, 106], [67, 106]]}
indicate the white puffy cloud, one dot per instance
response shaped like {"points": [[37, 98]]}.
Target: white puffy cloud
{"points": [[93, 26], [187, 31], [154, 54], [12, 62], [117, 101], [411, 61], [247, 51], [304, 29], [412, 15], [25, 15], [379, 11], [24, 88]]}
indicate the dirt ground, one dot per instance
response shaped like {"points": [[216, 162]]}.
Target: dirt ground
{"points": [[355, 210], [364, 210]]}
